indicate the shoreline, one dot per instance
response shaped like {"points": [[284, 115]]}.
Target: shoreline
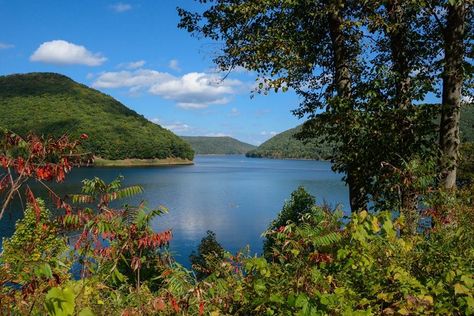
{"points": [[281, 158], [167, 162]]}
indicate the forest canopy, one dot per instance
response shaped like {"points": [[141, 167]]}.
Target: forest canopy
{"points": [[52, 104]]}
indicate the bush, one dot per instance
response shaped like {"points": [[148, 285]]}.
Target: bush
{"points": [[209, 251], [318, 266]]}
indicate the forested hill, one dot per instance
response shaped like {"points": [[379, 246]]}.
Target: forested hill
{"points": [[286, 146], [205, 145], [466, 124], [53, 104]]}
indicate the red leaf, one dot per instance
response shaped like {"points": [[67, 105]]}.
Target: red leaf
{"points": [[201, 308]]}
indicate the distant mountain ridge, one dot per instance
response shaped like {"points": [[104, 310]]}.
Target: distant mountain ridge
{"points": [[286, 146], [211, 145], [53, 104]]}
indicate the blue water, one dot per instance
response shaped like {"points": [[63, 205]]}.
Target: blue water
{"points": [[234, 196]]}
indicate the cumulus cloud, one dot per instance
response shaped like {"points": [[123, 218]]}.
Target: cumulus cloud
{"points": [[134, 80], [60, 52], [174, 64], [191, 91], [5, 45], [196, 90], [121, 7]]}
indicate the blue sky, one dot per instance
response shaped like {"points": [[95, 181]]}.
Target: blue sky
{"points": [[134, 51]]}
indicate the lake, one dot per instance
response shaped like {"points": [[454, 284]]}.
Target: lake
{"points": [[234, 196]]}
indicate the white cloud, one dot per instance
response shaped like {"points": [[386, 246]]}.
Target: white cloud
{"points": [[196, 90], [190, 91], [60, 52], [134, 80], [6, 45], [132, 65], [174, 64], [121, 7]]}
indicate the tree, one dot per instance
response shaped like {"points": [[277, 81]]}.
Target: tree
{"points": [[299, 204], [209, 250], [366, 64], [305, 45], [453, 78]]}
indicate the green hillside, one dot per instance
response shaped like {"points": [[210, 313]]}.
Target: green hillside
{"points": [[467, 123], [53, 104], [286, 146], [204, 145]]}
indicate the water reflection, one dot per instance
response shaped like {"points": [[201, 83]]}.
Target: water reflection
{"points": [[234, 196]]}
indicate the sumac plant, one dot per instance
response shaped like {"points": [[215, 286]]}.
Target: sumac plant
{"points": [[34, 157], [117, 241]]}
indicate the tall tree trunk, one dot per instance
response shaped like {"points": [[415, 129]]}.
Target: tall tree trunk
{"points": [[342, 80], [400, 55], [453, 77]]}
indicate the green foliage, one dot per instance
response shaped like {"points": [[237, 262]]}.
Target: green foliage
{"points": [[203, 145], [60, 302], [52, 104], [286, 145], [466, 166], [316, 261], [361, 96], [300, 203], [96, 190], [36, 249], [209, 251], [318, 266]]}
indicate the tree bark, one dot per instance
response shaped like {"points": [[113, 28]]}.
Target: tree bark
{"points": [[342, 80], [453, 76]]}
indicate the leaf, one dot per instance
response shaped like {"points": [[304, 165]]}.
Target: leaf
{"points": [[86, 312], [276, 298], [260, 287], [375, 225], [44, 269], [82, 198], [301, 301], [460, 289], [467, 280], [60, 302]]}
